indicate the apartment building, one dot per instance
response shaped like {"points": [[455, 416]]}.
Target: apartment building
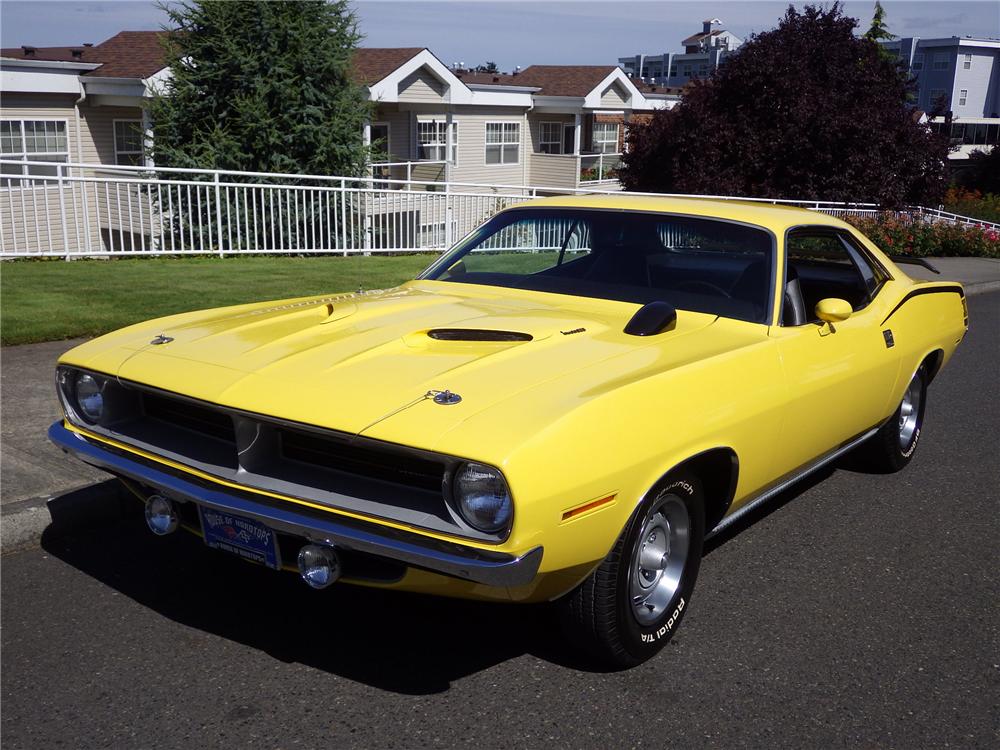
{"points": [[703, 53], [559, 126], [963, 74]]}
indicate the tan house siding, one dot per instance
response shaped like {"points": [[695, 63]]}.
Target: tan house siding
{"points": [[399, 131], [553, 170], [472, 166], [38, 208], [614, 96], [421, 86], [98, 123]]}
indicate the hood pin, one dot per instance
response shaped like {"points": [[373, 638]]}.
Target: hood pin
{"points": [[445, 398], [161, 339]]}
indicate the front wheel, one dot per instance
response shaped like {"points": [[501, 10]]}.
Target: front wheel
{"points": [[892, 447], [632, 603]]}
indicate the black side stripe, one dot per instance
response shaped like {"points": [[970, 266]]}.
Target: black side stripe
{"points": [[925, 290]]}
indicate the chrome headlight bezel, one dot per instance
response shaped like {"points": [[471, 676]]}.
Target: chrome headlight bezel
{"points": [[472, 507], [68, 381]]}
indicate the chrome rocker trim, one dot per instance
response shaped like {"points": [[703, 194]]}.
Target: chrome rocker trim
{"points": [[447, 558], [784, 484]]}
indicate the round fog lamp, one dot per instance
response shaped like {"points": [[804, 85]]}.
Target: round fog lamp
{"points": [[319, 566], [160, 515], [89, 396]]}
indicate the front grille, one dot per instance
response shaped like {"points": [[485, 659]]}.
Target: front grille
{"points": [[334, 455], [326, 468], [188, 416]]}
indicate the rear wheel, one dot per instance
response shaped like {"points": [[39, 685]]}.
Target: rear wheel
{"points": [[631, 605], [892, 447]]}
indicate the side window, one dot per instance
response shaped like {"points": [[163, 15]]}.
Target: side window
{"points": [[822, 263]]}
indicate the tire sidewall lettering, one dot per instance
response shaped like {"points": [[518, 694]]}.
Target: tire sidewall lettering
{"points": [[913, 445], [666, 628]]}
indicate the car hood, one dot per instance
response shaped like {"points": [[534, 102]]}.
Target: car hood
{"points": [[349, 362]]}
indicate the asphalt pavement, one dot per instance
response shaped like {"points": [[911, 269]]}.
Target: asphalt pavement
{"points": [[857, 610]]}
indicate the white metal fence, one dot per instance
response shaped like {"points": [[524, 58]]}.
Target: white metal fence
{"points": [[80, 210]]}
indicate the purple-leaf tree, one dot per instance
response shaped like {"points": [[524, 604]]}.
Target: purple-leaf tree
{"points": [[807, 110]]}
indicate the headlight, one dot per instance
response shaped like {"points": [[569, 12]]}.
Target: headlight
{"points": [[88, 394], [483, 498]]}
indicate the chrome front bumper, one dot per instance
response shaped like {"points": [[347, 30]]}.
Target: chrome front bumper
{"points": [[448, 558]]}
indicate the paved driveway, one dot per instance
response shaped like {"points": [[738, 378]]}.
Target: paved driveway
{"points": [[33, 467]]}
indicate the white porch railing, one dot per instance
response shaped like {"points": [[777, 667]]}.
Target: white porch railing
{"points": [[80, 210]]}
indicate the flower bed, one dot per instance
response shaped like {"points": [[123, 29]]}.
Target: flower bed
{"points": [[920, 238]]}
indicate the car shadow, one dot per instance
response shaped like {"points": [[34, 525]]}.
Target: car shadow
{"points": [[404, 643]]}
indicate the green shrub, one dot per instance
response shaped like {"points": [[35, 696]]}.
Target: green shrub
{"points": [[912, 236]]}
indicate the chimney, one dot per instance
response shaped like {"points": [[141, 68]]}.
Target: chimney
{"points": [[29, 51], [706, 25]]}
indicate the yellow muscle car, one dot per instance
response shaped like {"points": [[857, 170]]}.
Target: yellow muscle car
{"points": [[562, 407]]}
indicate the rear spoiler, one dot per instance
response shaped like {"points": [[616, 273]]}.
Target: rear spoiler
{"points": [[914, 262]]}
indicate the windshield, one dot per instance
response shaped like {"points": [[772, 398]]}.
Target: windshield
{"points": [[706, 265]]}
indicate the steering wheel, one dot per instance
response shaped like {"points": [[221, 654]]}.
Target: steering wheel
{"points": [[697, 286]]}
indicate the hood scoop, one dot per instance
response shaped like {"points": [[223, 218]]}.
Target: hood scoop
{"points": [[477, 334], [651, 319]]}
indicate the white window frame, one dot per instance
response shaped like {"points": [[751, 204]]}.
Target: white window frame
{"points": [[558, 143], [599, 145], [441, 139], [114, 138], [506, 127], [967, 62], [963, 95], [26, 155]]}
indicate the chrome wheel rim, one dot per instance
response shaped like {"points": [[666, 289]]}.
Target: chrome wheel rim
{"points": [[659, 559], [909, 413]]}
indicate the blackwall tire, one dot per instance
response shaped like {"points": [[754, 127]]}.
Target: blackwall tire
{"points": [[633, 602]]}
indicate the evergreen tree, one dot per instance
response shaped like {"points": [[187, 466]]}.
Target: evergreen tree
{"points": [[261, 86], [806, 110], [878, 31]]}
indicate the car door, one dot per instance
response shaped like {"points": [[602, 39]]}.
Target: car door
{"points": [[838, 375]]}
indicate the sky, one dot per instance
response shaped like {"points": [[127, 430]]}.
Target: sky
{"points": [[511, 33]]}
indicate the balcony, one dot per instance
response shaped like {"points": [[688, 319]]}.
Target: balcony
{"points": [[575, 170]]}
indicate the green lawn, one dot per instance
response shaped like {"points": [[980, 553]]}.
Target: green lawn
{"points": [[49, 300]]}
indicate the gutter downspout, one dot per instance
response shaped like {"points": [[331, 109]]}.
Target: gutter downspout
{"points": [[527, 146], [79, 151]]}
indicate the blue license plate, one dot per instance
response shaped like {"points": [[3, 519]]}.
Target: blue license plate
{"points": [[245, 537]]}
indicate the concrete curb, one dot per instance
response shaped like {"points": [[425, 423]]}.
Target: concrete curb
{"points": [[22, 523], [981, 287]]}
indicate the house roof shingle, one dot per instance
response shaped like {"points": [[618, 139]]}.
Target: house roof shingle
{"points": [[562, 80], [128, 54], [372, 64], [131, 54], [56, 54], [487, 79]]}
